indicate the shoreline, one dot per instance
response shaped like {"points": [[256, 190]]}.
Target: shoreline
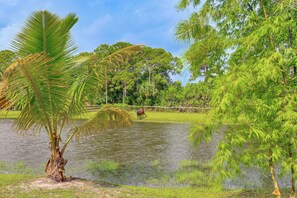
{"points": [[21, 185]]}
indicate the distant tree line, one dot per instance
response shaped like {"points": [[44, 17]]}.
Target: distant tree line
{"points": [[143, 79]]}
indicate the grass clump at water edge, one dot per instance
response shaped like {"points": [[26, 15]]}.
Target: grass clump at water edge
{"points": [[102, 166]]}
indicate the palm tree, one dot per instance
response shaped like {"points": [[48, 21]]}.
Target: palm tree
{"points": [[41, 83]]}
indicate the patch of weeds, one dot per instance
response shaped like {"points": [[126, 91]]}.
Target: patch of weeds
{"points": [[162, 179], [155, 163], [150, 173], [103, 167], [195, 174], [185, 192], [13, 179], [18, 167]]}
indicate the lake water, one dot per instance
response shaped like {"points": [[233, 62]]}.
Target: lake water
{"points": [[144, 150]]}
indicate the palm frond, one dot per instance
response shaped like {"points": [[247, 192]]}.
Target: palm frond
{"points": [[84, 83], [41, 85], [46, 32], [106, 118], [25, 86]]}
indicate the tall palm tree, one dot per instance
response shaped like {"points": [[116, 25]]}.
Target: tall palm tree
{"points": [[41, 83]]}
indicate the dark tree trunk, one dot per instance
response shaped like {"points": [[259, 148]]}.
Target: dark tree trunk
{"points": [[106, 92], [124, 91], [292, 175], [55, 167]]}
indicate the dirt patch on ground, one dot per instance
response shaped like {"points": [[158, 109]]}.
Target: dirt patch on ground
{"points": [[47, 183], [84, 188]]}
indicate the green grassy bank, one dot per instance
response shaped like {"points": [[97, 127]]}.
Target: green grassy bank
{"points": [[17, 185], [174, 117], [165, 117]]}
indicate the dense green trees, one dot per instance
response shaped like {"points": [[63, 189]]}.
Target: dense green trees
{"points": [[190, 95], [137, 80], [119, 78], [253, 49], [144, 78], [156, 66]]}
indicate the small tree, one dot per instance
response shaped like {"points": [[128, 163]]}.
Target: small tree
{"points": [[253, 43], [41, 82]]}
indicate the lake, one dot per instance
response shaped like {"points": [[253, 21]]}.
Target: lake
{"points": [[145, 153]]}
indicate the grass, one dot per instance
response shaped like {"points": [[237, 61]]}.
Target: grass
{"points": [[174, 117], [185, 192], [13, 179], [162, 117], [103, 166], [18, 167], [16, 185]]}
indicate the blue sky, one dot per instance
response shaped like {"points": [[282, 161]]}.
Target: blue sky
{"points": [[149, 22]]}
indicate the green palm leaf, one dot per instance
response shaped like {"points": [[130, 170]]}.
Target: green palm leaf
{"points": [[43, 83], [107, 117]]}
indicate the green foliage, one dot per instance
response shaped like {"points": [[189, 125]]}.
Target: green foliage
{"points": [[251, 55], [186, 192], [196, 174], [103, 167], [138, 79], [12, 179], [105, 118], [6, 58], [191, 95], [18, 167], [43, 85]]}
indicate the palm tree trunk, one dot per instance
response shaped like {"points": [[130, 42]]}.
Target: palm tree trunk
{"points": [[55, 167], [56, 163], [276, 190]]}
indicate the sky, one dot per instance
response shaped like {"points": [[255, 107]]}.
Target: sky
{"points": [[148, 22]]}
